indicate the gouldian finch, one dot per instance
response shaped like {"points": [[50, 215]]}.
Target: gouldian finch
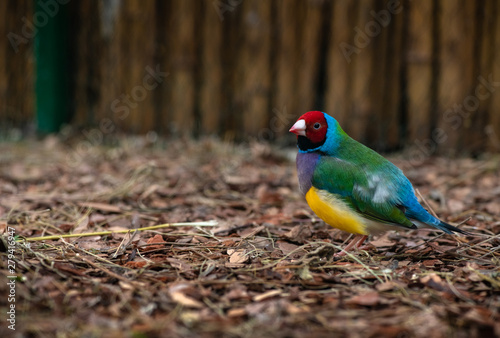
{"points": [[353, 188]]}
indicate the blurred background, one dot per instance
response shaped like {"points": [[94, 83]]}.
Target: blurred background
{"points": [[416, 75]]}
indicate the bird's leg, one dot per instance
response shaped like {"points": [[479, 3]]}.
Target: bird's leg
{"points": [[361, 241], [355, 243]]}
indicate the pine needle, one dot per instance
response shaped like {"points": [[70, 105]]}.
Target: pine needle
{"points": [[104, 233]]}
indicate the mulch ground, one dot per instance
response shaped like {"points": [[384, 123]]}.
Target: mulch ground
{"points": [[265, 268]]}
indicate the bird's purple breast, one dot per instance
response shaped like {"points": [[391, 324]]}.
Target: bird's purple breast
{"points": [[306, 163]]}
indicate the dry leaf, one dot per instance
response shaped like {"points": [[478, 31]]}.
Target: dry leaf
{"points": [[287, 248], [153, 240], [82, 226], [299, 234], [237, 256]]}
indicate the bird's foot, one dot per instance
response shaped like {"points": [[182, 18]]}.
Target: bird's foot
{"points": [[354, 245]]}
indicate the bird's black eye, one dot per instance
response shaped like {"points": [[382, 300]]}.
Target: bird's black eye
{"points": [[316, 125]]}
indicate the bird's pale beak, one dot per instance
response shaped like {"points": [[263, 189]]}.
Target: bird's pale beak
{"points": [[299, 128]]}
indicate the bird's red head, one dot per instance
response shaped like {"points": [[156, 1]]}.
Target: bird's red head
{"points": [[311, 125]]}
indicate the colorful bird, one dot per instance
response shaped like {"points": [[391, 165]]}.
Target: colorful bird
{"points": [[353, 188]]}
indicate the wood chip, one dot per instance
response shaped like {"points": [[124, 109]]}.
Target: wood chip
{"points": [[266, 295]]}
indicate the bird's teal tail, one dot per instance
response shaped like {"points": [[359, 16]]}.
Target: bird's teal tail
{"points": [[449, 229], [418, 213]]}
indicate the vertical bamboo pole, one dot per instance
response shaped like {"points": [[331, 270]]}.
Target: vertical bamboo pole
{"points": [[4, 113], [85, 63], [18, 95], [212, 69], [164, 25], [339, 65], [360, 104], [116, 103], [309, 49], [389, 137], [182, 50], [252, 93], [136, 57], [286, 60], [456, 62], [112, 113], [233, 41], [419, 70], [375, 120], [493, 127], [475, 138]]}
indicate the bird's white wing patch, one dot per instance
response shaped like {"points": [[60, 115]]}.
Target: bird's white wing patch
{"points": [[379, 189]]}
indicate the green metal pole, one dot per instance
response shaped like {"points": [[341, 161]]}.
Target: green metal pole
{"points": [[51, 55]]}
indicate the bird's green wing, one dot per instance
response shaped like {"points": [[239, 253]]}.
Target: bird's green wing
{"points": [[372, 190]]}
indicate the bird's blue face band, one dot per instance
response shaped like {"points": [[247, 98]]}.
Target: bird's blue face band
{"points": [[331, 143]]}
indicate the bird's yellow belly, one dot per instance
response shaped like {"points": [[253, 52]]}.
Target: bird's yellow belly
{"points": [[335, 212]]}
